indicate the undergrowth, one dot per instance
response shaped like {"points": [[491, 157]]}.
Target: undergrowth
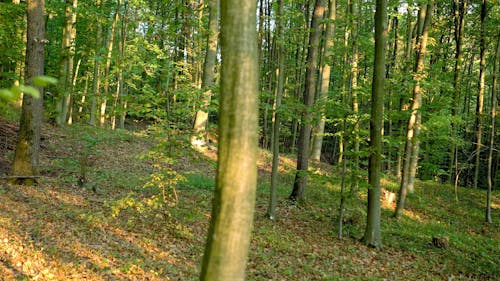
{"points": [[143, 212]]}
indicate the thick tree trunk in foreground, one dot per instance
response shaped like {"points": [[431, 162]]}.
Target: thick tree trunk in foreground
{"points": [[233, 206], [26, 160], [308, 100], [208, 79], [372, 236], [412, 146]]}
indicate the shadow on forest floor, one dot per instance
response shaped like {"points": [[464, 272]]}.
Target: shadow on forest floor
{"points": [[126, 222]]}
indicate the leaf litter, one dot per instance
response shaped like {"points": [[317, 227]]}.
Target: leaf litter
{"points": [[59, 230]]}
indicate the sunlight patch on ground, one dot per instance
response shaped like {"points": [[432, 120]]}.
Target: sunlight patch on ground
{"points": [[413, 215]]}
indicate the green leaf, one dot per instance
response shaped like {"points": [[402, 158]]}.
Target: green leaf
{"points": [[29, 90], [7, 95], [44, 81]]}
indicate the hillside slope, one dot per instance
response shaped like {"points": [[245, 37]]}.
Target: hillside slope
{"points": [[136, 205]]}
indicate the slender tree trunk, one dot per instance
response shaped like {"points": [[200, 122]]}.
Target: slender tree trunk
{"points": [[96, 79], [261, 33], [372, 236], [26, 159], [73, 85], [67, 63], [391, 68], [308, 99], [345, 75], [104, 96], [208, 79], [120, 65], [325, 80], [354, 96], [411, 147], [410, 46], [233, 206], [83, 98], [19, 71], [492, 133], [343, 194], [459, 8], [480, 96], [271, 211]]}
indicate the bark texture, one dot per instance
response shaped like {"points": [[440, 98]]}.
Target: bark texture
{"points": [[232, 214], [412, 145], [208, 79], [67, 62], [271, 211], [26, 160], [480, 96], [308, 100], [372, 236], [329, 38]]}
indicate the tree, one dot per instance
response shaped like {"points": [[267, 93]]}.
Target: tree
{"points": [[280, 73], [96, 84], [480, 96], [208, 79], [26, 161], [492, 133], [412, 142], [459, 8], [233, 206], [120, 83], [372, 236], [308, 100], [67, 62], [107, 66], [325, 79]]}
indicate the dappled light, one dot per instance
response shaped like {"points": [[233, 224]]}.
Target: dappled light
{"points": [[126, 231], [249, 140]]}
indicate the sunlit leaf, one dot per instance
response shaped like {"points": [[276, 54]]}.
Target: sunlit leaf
{"points": [[44, 81], [7, 95], [29, 90]]}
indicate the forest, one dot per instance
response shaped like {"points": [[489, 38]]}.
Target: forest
{"points": [[249, 140]]}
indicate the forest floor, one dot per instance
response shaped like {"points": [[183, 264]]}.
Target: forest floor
{"points": [[135, 205]]}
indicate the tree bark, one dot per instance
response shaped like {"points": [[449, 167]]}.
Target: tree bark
{"points": [[412, 146], [107, 67], [459, 18], [355, 10], [325, 80], [280, 75], [120, 85], [96, 79], [480, 95], [208, 79], [492, 133], [26, 159], [407, 68], [308, 100], [372, 236], [232, 214], [67, 63]]}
